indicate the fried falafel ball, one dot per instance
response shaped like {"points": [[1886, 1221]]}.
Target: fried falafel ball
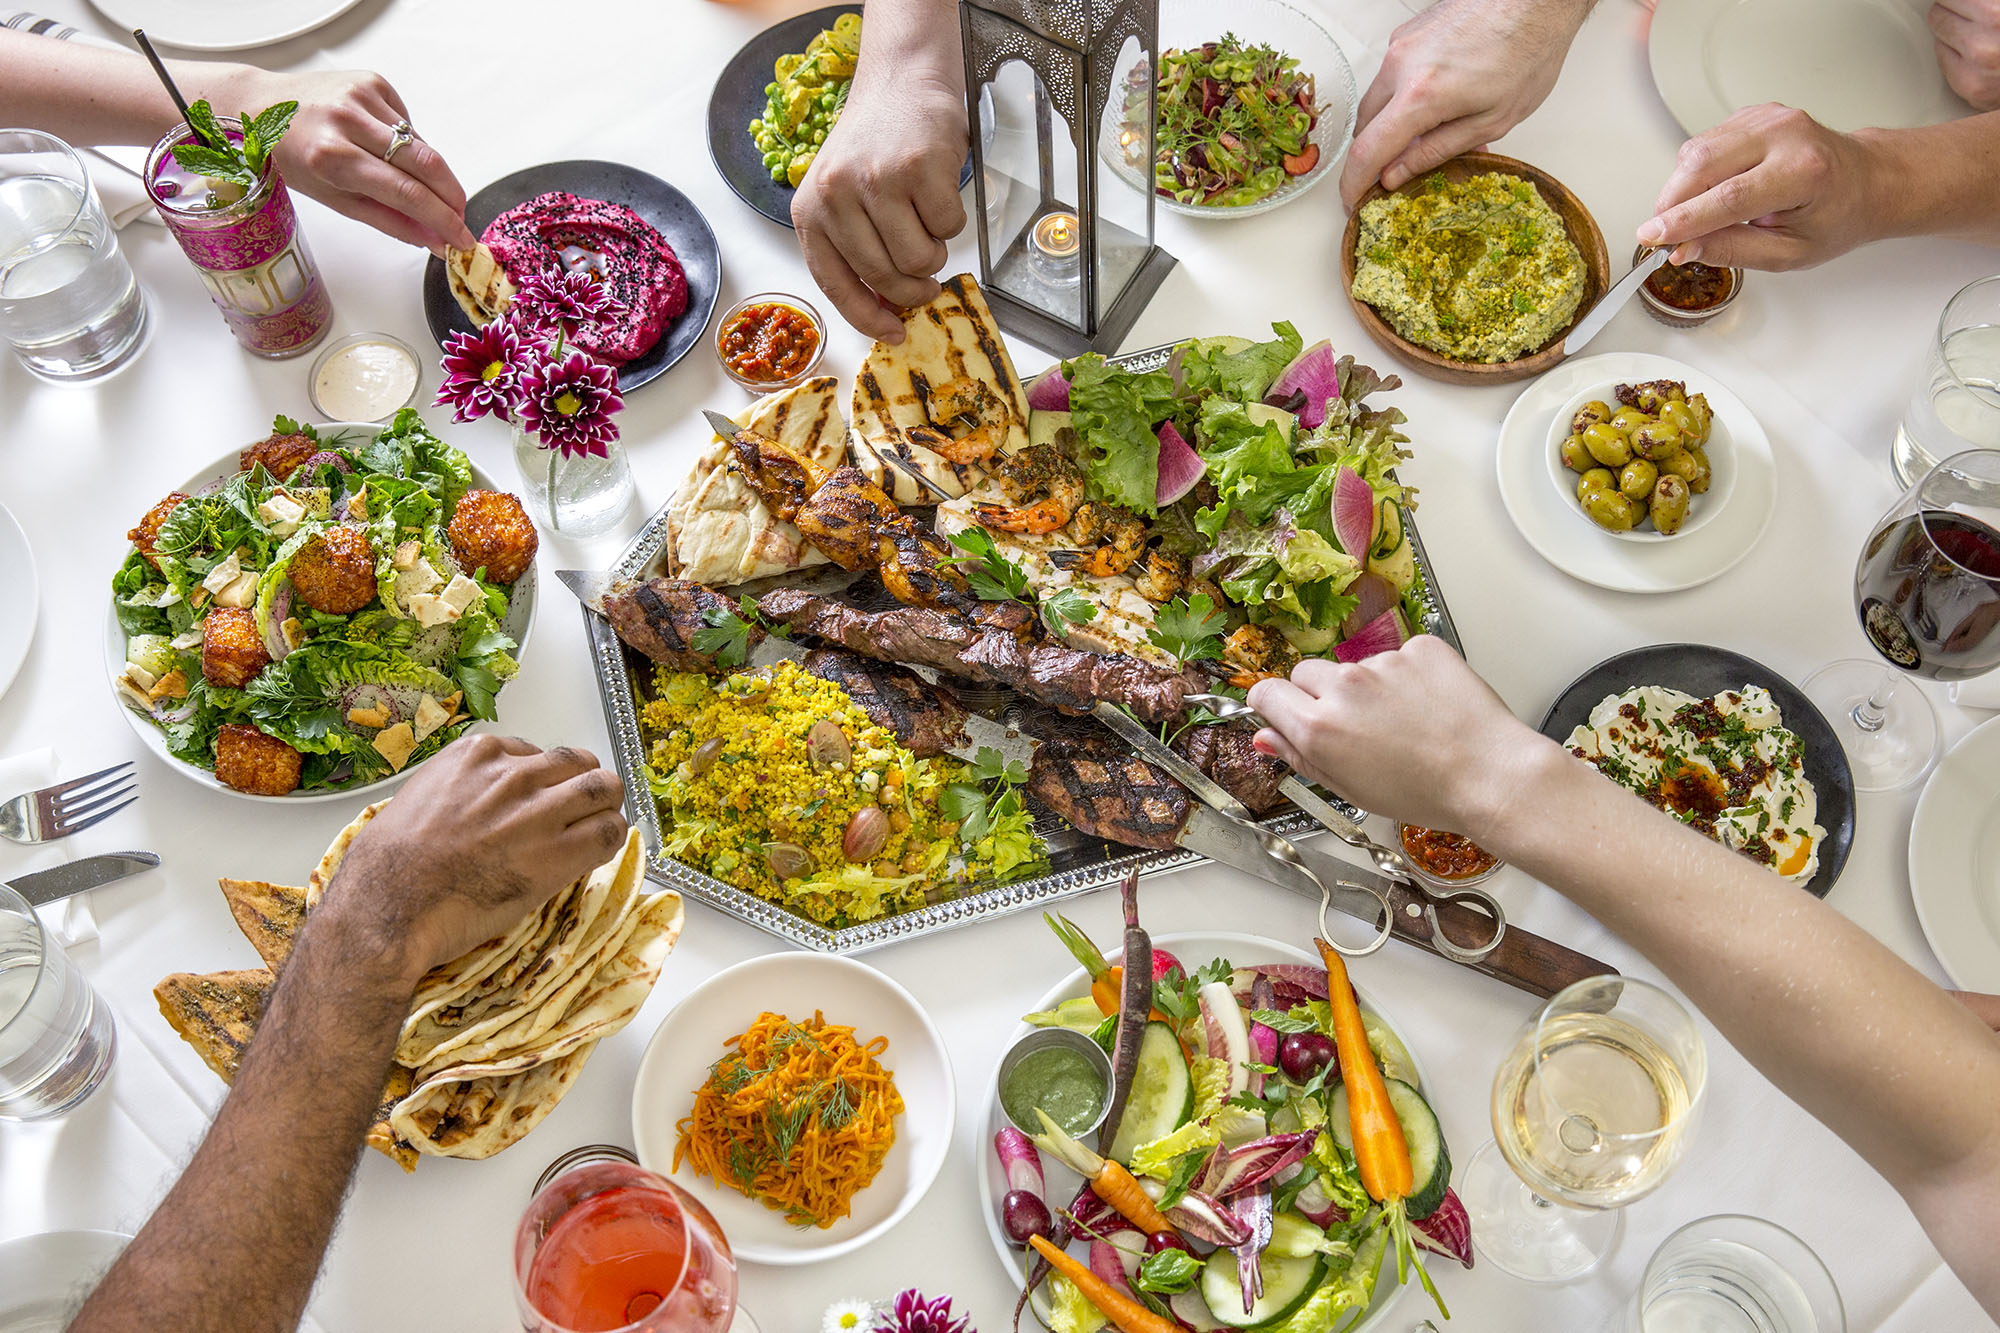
{"points": [[491, 531], [252, 761], [335, 571], [281, 455], [147, 534], [232, 651]]}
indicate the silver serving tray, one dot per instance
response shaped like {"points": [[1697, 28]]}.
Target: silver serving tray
{"points": [[1077, 864]]}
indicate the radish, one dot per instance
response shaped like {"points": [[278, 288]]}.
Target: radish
{"points": [[1049, 392], [1312, 372], [1180, 466], [1372, 595], [1024, 1212], [1383, 634], [1227, 1034], [1353, 513]]}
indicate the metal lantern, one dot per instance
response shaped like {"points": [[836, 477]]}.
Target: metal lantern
{"points": [[1065, 263]]}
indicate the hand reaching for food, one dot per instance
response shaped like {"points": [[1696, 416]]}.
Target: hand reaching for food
{"points": [[1456, 77], [1968, 48], [482, 834]]}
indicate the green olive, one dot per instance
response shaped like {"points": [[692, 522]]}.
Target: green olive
{"points": [[1589, 415], [1608, 445], [1635, 482], [1611, 510], [1669, 508], [1681, 417], [1691, 466], [1650, 397], [1629, 419], [1656, 440], [1575, 456], [1704, 416], [1596, 479]]}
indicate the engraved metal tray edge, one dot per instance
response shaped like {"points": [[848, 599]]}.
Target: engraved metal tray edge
{"points": [[621, 720]]}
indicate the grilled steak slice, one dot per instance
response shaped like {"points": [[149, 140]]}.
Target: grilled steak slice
{"points": [[661, 617], [1225, 754], [925, 717], [1066, 679], [1109, 792]]}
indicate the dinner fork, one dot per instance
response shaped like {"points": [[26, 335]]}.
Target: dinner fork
{"points": [[68, 807]]}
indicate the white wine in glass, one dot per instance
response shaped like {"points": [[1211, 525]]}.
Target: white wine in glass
{"points": [[1591, 1109]]}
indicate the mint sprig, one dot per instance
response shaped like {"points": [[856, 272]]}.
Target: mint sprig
{"points": [[219, 157]]}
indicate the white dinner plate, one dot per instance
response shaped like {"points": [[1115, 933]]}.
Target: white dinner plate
{"points": [[1545, 508], [1193, 950], [1955, 860], [20, 598], [221, 25], [695, 1035], [520, 621], [44, 1278], [1849, 64]]}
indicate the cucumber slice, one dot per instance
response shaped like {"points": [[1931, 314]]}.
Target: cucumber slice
{"points": [[1162, 1097], [1390, 1053], [1430, 1160], [1288, 1284], [1293, 1236]]}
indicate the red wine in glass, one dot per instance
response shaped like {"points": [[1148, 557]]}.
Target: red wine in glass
{"points": [[1927, 589]]}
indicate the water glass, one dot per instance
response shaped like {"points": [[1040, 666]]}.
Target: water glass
{"points": [[56, 1035], [69, 305], [1734, 1274], [1956, 405]]}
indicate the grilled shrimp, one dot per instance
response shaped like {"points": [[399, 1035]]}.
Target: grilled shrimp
{"points": [[1120, 538], [1160, 577], [1255, 652], [968, 401]]}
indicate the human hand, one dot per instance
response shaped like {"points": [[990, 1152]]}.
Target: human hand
{"points": [[881, 197], [1456, 77], [333, 152], [1769, 188], [1968, 48], [1412, 734], [484, 833]]}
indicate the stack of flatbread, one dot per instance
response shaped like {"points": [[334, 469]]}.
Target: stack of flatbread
{"points": [[718, 531], [495, 1037]]}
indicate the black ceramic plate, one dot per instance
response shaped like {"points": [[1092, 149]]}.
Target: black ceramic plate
{"points": [[738, 99], [1700, 670], [670, 211]]}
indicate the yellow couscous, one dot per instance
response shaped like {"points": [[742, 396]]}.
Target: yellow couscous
{"points": [[774, 781]]}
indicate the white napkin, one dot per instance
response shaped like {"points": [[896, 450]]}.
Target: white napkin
{"points": [[1979, 692], [70, 920]]}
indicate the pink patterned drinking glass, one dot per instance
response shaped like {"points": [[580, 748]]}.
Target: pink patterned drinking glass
{"points": [[248, 250]]}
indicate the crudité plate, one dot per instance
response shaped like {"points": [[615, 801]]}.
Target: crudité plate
{"points": [[1955, 860], [20, 598], [1193, 950], [1700, 670], [1077, 864], [520, 621], [1546, 512], [670, 212], [692, 1037]]}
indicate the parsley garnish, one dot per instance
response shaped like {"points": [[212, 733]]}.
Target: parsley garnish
{"points": [[727, 636], [991, 575], [988, 797], [1067, 607], [1189, 629]]}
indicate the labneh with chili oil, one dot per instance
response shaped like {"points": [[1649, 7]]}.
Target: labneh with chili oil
{"points": [[1725, 766]]}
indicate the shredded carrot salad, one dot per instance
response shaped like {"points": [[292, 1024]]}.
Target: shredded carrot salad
{"points": [[797, 1115]]}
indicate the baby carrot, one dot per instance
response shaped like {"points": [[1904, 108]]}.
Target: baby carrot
{"points": [[1380, 1151], [1124, 1313]]}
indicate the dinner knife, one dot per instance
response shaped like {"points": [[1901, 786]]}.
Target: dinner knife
{"points": [[43, 887], [1613, 301]]}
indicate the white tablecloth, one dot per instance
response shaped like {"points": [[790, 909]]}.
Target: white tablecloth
{"points": [[1825, 359]]}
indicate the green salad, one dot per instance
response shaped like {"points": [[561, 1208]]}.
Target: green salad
{"points": [[1234, 123], [323, 628]]}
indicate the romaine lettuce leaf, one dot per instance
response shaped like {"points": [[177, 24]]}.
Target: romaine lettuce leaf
{"points": [[1207, 366], [1069, 1310], [1114, 412], [406, 448], [485, 661]]}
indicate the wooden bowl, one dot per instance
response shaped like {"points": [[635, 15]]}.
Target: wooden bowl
{"points": [[1577, 221]]}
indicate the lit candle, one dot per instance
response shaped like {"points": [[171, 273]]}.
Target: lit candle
{"points": [[1057, 236]]}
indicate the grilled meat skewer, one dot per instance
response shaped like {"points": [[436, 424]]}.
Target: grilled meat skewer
{"points": [[926, 718], [661, 617]]}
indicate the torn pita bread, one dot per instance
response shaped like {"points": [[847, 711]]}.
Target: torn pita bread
{"points": [[478, 283], [269, 915], [476, 1110], [329, 864], [949, 377], [718, 531]]}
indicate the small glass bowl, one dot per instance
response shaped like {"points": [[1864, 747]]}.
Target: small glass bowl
{"points": [[335, 349], [770, 298], [1418, 868], [1042, 1039], [1672, 315]]}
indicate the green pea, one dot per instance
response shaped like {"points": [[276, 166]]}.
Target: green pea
{"points": [[770, 90], [778, 175], [827, 98], [819, 136]]}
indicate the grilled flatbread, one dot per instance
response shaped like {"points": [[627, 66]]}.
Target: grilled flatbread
{"points": [[908, 398], [477, 1110], [718, 531], [269, 916], [478, 283]]}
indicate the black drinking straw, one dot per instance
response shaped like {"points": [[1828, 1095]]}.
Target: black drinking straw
{"points": [[160, 68]]}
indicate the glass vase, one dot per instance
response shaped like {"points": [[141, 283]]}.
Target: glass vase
{"points": [[573, 496]]}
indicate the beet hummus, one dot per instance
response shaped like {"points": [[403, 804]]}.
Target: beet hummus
{"points": [[565, 231]]}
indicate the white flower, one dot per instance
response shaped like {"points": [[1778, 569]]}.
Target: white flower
{"points": [[848, 1317]]}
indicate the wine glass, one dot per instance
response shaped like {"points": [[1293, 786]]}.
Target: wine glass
{"points": [[1591, 1109], [1927, 590], [608, 1245]]}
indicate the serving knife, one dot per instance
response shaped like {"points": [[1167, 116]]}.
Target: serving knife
{"points": [[1612, 302], [42, 887]]}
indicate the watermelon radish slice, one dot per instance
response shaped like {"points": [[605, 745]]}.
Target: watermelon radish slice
{"points": [[1050, 391], [1314, 373], [1372, 595], [1383, 634], [1180, 466], [1353, 513]]}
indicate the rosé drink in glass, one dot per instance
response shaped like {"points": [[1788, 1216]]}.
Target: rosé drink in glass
{"points": [[613, 1246], [247, 247]]}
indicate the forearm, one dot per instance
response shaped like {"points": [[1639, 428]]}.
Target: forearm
{"points": [[1848, 1030], [1940, 180], [238, 1241], [905, 41], [88, 96]]}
